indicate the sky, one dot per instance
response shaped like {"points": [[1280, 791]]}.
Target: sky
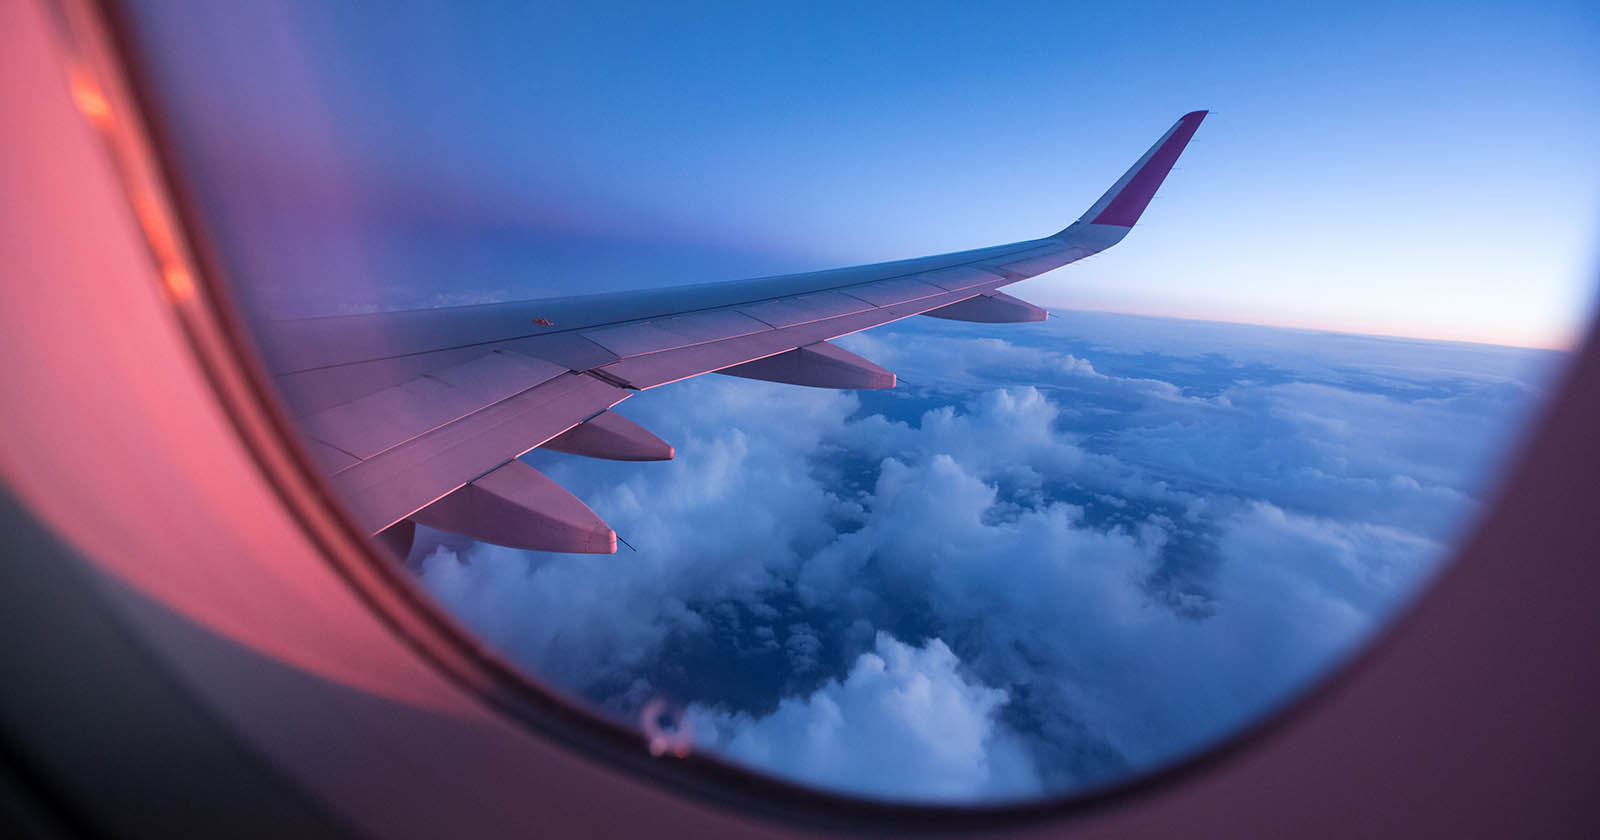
{"points": [[1390, 168], [1058, 554]]}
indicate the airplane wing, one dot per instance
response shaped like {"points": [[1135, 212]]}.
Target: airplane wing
{"points": [[420, 416]]}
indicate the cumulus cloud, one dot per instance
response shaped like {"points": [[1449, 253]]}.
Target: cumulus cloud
{"points": [[1107, 553], [902, 724], [1045, 605], [725, 524]]}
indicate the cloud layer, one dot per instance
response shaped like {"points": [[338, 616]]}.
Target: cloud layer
{"points": [[903, 720], [1046, 561]]}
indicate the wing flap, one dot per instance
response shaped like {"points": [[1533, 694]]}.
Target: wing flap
{"points": [[893, 291], [568, 349], [961, 277], [629, 340], [657, 369], [393, 484], [310, 391], [373, 423], [497, 375], [331, 460], [804, 309], [638, 339], [376, 422], [711, 325]]}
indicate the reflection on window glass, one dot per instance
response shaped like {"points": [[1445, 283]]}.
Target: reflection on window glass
{"points": [[1057, 554]]}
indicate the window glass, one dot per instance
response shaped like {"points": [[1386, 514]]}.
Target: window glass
{"points": [[1057, 554]]}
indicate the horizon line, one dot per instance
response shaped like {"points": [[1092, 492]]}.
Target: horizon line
{"points": [[1568, 343]]}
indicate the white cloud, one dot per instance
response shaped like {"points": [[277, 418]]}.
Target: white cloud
{"points": [[1296, 499], [998, 430], [902, 724], [726, 520], [1046, 603]]}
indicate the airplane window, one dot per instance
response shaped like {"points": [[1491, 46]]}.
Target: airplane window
{"points": [[972, 558]]}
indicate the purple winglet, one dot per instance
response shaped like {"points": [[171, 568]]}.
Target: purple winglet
{"points": [[1124, 210]]}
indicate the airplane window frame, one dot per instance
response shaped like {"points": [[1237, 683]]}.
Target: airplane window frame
{"points": [[221, 341]]}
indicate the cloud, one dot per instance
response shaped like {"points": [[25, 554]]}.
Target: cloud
{"points": [[997, 431], [1058, 611], [1107, 554], [902, 724], [726, 521]]}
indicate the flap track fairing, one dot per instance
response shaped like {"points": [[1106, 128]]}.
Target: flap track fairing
{"points": [[991, 308], [820, 365], [611, 436], [518, 506]]}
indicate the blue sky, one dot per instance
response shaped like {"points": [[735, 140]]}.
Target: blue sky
{"points": [[1395, 168]]}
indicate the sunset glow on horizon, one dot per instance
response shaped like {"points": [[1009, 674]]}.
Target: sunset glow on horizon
{"points": [[1541, 340]]}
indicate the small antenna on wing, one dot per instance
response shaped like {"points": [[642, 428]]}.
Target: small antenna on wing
{"points": [[626, 543]]}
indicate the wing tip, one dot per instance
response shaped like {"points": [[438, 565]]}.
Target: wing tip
{"points": [[1125, 202]]}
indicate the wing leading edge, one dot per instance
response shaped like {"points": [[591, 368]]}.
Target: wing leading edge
{"points": [[419, 416]]}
